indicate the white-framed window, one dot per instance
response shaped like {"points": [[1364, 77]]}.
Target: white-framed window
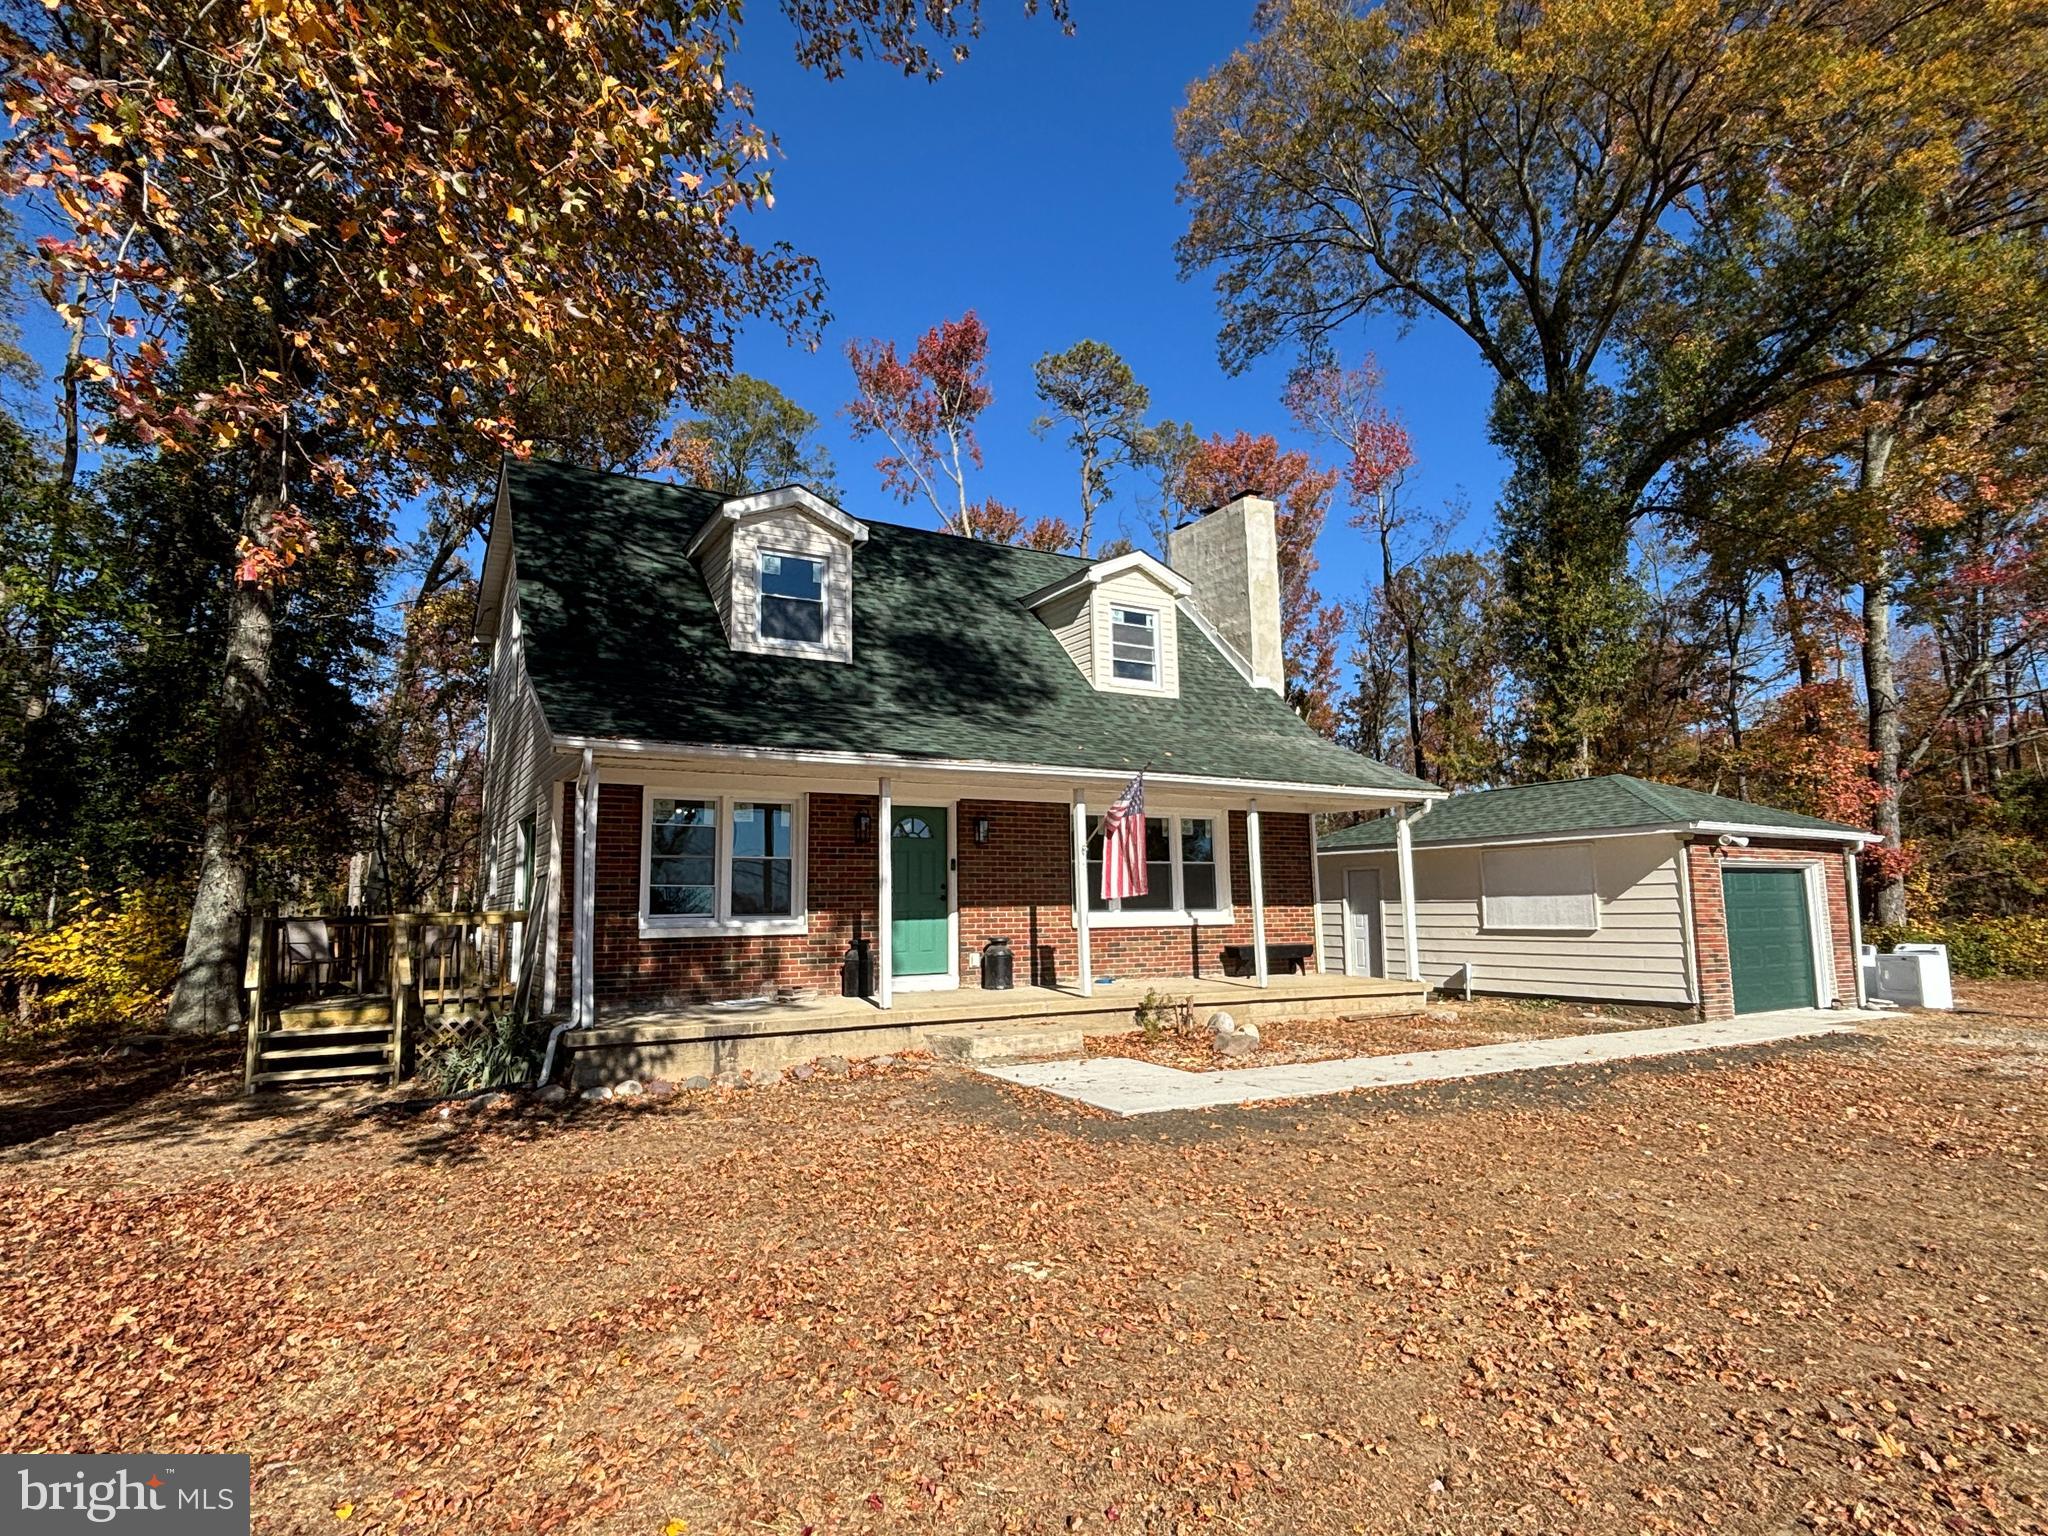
{"points": [[1186, 872], [1544, 887], [792, 606], [1134, 644], [725, 862]]}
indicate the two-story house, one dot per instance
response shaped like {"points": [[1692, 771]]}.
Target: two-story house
{"points": [[749, 755]]}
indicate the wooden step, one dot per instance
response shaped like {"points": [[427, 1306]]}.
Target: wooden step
{"points": [[308, 1074], [332, 1036], [335, 1013], [322, 1052]]}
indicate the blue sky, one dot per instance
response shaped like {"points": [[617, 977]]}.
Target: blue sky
{"points": [[1034, 184]]}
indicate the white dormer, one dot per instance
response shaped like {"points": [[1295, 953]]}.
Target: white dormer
{"points": [[1117, 620], [780, 568]]}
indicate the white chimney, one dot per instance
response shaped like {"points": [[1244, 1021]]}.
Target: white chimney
{"points": [[1231, 557]]}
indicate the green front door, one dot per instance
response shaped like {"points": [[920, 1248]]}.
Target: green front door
{"points": [[920, 937], [1770, 942]]}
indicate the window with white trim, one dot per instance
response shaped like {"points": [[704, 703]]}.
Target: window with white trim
{"points": [[720, 861], [1547, 888], [1133, 644], [1183, 869], [792, 598]]}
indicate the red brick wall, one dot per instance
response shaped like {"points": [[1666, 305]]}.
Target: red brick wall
{"points": [[1710, 921], [1019, 886]]}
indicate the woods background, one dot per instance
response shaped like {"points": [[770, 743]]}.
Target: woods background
{"points": [[1760, 287]]}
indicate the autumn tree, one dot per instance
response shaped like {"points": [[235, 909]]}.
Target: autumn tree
{"points": [[1342, 408], [924, 407], [749, 436], [410, 237], [1626, 210], [1091, 395]]}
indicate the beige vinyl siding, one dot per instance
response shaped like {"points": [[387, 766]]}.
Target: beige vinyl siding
{"points": [[1072, 622], [1330, 916], [515, 741], [717, 568], [1138, 590], [1637, 954]]}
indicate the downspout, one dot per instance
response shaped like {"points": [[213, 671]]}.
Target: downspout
{"points": [[1855, 881], [580, 947]]}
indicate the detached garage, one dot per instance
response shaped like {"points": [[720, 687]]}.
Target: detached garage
{"points": [[1613, 889]]}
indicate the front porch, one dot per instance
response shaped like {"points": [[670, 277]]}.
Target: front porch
{"points": [[761, 1037]]}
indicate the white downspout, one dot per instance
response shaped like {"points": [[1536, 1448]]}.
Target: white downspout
{"points": [[1855, 879]]}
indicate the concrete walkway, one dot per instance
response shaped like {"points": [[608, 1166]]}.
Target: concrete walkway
{"points": [[1125, 1087]]}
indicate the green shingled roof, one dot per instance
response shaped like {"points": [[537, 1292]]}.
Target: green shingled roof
{"points": [[623, 641], [1616, 802]]}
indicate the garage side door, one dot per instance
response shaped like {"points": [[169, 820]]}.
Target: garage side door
{"points": [[1770, 941]]}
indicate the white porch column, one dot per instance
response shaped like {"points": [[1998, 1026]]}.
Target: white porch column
{"points": [[1080, 841], [1315, 892], [549, 918], [1258, 873], [583, 952], [1404, 857], [885, 899]]}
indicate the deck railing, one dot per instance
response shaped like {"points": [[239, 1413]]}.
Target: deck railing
{"points": [[429, 975]]}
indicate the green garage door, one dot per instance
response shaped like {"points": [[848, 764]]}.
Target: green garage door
{"points": [[1770, 943]]}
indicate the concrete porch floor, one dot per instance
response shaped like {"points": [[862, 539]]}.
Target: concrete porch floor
{"points": [[707, 1039]]}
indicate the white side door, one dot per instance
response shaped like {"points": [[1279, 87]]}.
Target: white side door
{"points": [[1364, 953]]}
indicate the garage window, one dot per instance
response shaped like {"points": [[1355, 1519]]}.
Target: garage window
{"points": [[1549, 888]]}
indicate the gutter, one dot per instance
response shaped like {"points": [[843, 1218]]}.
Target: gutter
{"points": [[882, 762]]}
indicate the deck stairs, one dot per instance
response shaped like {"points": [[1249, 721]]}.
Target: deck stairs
{"points": [[333, 1040]]}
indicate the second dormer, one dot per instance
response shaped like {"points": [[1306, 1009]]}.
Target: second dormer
{"points": [[1117, 621], [780, 567]]}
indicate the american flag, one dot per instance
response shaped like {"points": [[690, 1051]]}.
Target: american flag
{"points": [[1123, 843]]}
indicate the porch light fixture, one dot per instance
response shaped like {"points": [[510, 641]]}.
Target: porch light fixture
{"points": [[863, 823], [982, 828]]}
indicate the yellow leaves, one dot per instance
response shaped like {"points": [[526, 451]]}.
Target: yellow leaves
{"points": [[344, 1510], [676, 1528]]}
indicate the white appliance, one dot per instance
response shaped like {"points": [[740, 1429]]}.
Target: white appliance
{"points": [[1912, 976]]}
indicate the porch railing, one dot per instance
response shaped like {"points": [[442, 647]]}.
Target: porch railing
{"points": [[422, 976]]}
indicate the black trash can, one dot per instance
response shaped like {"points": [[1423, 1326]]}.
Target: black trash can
{"points": [[998, 966], [857, 970]]}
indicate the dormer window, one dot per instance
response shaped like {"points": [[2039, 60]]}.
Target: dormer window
{"points": [[1134, 644], [792, 597], [1116, 619], [780, 567]]}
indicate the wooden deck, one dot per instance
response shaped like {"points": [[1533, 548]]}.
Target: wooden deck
{"points": [[707, 1039]]}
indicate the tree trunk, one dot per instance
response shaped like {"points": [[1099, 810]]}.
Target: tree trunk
{"points": [[1881, 688], [208, 994]]}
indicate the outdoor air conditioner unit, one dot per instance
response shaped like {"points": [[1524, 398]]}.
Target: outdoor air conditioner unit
{"points": [[1912, 976]]}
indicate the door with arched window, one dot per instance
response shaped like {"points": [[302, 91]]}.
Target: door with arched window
{"points": [[920, 932]]}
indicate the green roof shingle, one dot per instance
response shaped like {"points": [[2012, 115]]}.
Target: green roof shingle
{"points": [[1616, 802], [623, 641]]}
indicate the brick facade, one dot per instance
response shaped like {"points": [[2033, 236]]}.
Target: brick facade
{"points": [[1704, 860], [1020, 885]]}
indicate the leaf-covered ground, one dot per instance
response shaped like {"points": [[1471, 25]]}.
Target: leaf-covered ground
{"points": [[1770, 1292], [1185, 1042]]}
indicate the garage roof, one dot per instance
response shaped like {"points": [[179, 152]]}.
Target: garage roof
{"points": [[1616, 802]]}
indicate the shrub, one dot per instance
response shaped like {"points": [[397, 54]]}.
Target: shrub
{"points": [[1980, 947], [109, 965], [504, 1051]]}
